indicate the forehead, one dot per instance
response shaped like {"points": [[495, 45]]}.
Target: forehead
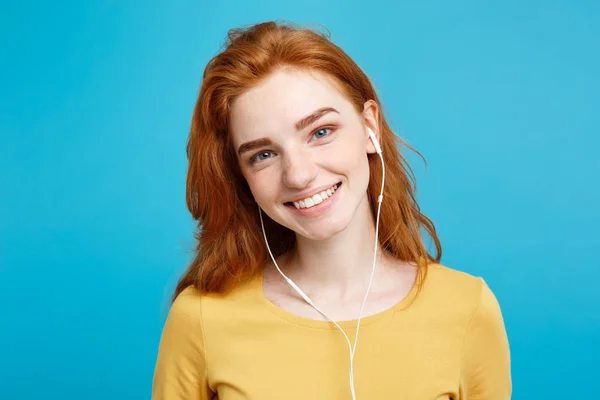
{"points": [[284, 97]]}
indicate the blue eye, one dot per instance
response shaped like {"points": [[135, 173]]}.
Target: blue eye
{"points": [[316, 134], [258, 156]]}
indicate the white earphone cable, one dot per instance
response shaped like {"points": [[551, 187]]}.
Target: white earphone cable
{"points": [[351, 348]]}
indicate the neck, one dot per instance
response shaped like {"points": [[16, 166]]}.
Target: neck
{"points": [[340, 265]]}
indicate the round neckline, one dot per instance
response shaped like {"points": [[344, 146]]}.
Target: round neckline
{"points": [[345, 324]]}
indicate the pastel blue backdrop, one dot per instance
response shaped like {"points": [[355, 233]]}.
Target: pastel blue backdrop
{"points": [[502, 98]]}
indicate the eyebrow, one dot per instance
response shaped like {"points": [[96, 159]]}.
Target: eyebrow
{"points": [[303, 123]]}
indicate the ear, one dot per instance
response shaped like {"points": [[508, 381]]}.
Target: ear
{"points": [[370, 114]]}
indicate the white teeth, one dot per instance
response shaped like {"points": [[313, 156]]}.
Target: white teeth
{"points": [[316, 199]]}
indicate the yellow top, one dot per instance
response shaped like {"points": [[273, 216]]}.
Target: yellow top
{"points": [[449, 342]]}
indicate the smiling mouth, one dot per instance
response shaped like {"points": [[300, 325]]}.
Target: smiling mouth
{"points": [[314, 200]]}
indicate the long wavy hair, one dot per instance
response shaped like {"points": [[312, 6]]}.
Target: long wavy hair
{"points": [[230, 247]]}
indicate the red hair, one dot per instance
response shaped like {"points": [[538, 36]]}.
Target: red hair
{"points": [[230, 246]]}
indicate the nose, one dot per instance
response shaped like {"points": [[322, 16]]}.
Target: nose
{"points": [[299, 170]]}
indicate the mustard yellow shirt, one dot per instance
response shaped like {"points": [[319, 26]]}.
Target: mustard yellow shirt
{"points": [[447, 342]]}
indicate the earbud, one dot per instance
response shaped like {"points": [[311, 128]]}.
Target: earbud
{"points": [[374, 140]]}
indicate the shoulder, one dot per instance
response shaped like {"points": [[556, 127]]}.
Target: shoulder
{"points": [[460, 292], [452, 282], [467, 302], [194, 314], [188, 301], [186, 311], [182, 334], [207, 308]]}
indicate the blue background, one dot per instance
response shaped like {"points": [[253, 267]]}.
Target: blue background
{"points": [[502, 98]]}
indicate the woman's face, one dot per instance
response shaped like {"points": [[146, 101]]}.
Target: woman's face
{"points": [[302, 148]]}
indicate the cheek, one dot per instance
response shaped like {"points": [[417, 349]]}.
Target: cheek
{"points": [[350, 157], [262, 186]]}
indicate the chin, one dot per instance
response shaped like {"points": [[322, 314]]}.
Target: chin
{"points": [[322, 231]]}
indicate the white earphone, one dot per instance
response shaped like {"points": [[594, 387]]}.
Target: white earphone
{"points": [[374, 140], [309, 301]]}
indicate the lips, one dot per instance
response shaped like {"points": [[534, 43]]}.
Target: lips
{"points": [[323, 193], [310, 202]]}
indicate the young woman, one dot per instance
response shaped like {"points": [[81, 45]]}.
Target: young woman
{"points": [[310, 280]]}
